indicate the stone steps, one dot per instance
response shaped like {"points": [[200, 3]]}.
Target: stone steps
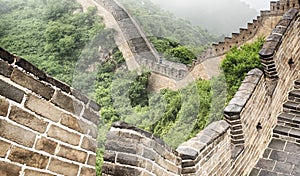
{"points": [[297, 84], [286, 132]]}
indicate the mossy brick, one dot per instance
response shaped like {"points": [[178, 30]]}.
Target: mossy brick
{"points": [[5, 55], [61, 85], [89, 144], [67, 102], [11, 92], [30, 68], [5, 68], [9, 169], [4, 104], [43, 108], [32, 84], [16, 134], [4, 148], [64, 168], [30, 158], [91, 160], [63, 135], [72, 154], [85, 171], [29, 120], [46, 145], [29, 172]]}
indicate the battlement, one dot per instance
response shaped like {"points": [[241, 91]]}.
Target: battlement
{"points": [[47, 127], [277, 8]]}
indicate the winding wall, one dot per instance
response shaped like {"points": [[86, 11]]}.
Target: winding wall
{"points": [[230, 147]]}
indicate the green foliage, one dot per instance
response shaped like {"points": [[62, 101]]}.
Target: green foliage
{"points": [[238, 62], [48, 33], [138, 93]]}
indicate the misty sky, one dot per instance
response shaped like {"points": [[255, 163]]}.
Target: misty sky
{"points": [[218, 16]]}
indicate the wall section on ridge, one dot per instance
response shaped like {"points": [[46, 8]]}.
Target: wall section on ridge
{"points": [[46, 127]]}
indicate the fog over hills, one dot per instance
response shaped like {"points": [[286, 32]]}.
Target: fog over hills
{"points": [[217, 16]]}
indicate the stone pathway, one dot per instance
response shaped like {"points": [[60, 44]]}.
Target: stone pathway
{"points": [[282, 157]]}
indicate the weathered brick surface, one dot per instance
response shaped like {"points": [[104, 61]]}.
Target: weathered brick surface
{"points": [[4, 148], [3, 106], [46, 145], [74, 123], [67, 102], [72, 154], [36, 173], [30, 68], [91, 115], [25, 118], [43, 108], [29, 158], [5, 68], [91, 160], [9, 91], [64, 87], [16, 134], [5, 55], [63, 135], [8, 169], [87, 172], [32, 84], [89, 144], [63, 168]]}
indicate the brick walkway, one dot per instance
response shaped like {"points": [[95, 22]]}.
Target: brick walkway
{"points": [[282, 157]]}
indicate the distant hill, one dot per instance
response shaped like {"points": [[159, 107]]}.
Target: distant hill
{"points": [[217, 16]]}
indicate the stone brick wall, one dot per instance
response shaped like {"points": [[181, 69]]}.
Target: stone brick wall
{"points": [[46, 127], [230, 147], [277, 8]]}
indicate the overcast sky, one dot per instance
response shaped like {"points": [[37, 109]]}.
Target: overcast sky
{"points": [[258, 4]]}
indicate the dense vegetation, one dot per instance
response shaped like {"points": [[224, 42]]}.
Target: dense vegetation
{"points": [[52, 36], [238, 62], [48, 33]]}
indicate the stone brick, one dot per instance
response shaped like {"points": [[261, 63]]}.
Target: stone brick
{"points": [[10, 58], [265, 164], [66, 102], [8, 169], [187, 153], [149, 154], [87, 172], [109, 156], [29, 158], [64, 168], [36, 173], [5, 69], [63, 86], [46, 145], [293, 158], [79, 96], [91, 115], [267, 173], [16, 134], [278, 155], [284, 168], [126, 159], [32, 84], [3, 106], [43, 108], [277, 144], [121, 147], [89, 144], [95, 106], [63, 135], [296, 170], [74, 123], [72, 154], [30, 68], [4, 148], [91, 160], [24, 118], [292, 148], [11, 92]]}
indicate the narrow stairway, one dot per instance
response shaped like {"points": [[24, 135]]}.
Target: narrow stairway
{"points": [[282, 157]]}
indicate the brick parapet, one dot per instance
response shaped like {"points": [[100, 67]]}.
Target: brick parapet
{"points": [[47, 127]]}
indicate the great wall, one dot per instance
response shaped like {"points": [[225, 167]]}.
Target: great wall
{"points": [[48, 128]]}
